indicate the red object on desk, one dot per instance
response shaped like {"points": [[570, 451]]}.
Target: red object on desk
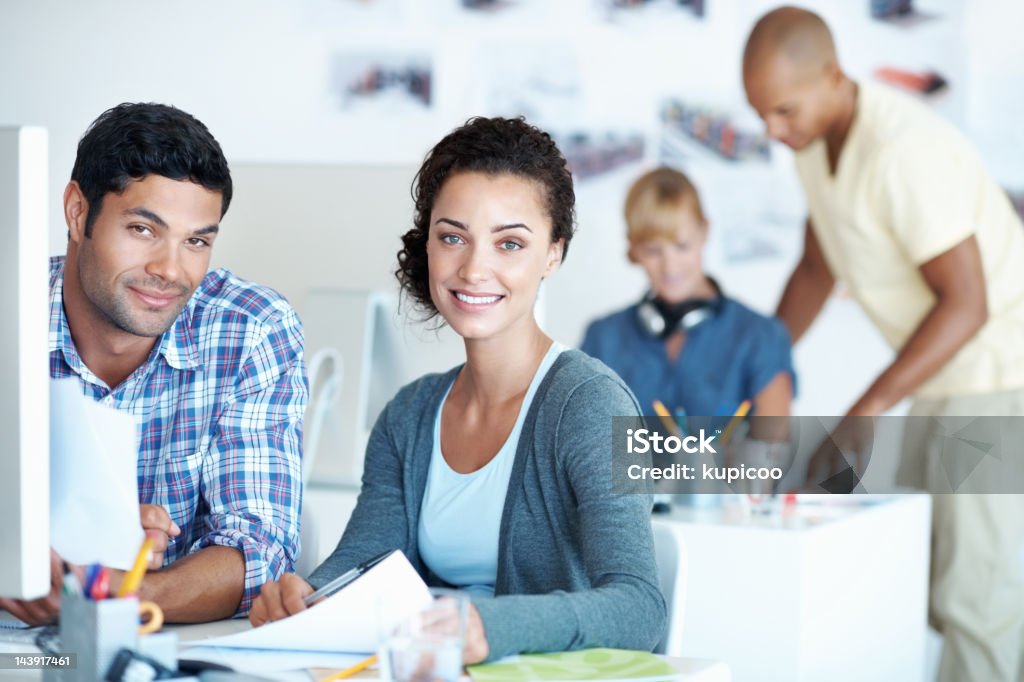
{"points": [[100, 588]]}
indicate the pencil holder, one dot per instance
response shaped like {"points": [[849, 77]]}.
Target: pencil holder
{"points": [[95, 631]]}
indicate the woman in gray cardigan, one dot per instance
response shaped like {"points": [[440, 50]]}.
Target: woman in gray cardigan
{"points": [[496, 476]]}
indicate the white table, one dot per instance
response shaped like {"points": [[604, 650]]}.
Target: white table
{"points": [[691, 669], [835, 589]]}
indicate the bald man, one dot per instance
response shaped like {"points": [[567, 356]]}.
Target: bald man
{"points": [[902, 210]]}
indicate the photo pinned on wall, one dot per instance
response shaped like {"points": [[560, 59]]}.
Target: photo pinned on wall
{"points": [[685, 125], [900, 13], [615, 10], [489, 5], [591, 154], [927, 83], [390, 84]]}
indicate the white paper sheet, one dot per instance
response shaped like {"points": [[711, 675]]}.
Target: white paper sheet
{"points": [[352, 620], [94, 494], [263, 661]]}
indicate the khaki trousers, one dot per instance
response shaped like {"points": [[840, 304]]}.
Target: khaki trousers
{"points": [[977, 565]]}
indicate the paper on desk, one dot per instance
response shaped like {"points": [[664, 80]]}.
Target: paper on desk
{"points": [[94, 494], [257, 661], [352, 620]]}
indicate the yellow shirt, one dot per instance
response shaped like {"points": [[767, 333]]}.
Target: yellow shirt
{"points": [[909, 187]]}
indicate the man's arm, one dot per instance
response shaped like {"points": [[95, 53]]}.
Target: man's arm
{"points": [[807, 290], [252, 478], [961, 308], [203, 586], [200, 587]]}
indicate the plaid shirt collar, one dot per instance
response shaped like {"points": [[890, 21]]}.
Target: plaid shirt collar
{"points": [[176, 344]]}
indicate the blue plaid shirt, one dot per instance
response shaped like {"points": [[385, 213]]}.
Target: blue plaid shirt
{"points": [[220, 402]]}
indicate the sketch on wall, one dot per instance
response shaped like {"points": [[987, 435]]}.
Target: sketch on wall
{"points": [[928, 83], [616, 10], [536, 79], [712, 130], [391, 84], [502, 13], [592, 153], [898, 12], [488, 5]]}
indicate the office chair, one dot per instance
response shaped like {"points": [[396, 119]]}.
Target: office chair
{"points": [[670, 550], [326, 370]]}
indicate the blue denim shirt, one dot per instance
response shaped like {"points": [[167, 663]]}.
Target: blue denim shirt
{"points": [[726, 359]]}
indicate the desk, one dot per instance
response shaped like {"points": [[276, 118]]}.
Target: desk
{"points": [[694, 670], [848, 577], [833, 590]]}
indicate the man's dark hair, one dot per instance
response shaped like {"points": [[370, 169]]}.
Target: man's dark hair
{"points": [[132, 141], [494, 146]]}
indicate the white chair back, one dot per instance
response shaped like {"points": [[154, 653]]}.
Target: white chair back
{"points": [[325, 372], [670, 550]]}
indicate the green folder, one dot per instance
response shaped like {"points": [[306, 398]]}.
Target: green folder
{"points": [[589, 664]]}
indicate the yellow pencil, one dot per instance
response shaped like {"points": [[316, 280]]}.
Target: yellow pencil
{"points": [[741, 412], [666, 418], [349, 672], [133, 577]]}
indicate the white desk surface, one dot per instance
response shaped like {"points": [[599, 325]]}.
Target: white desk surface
{"points": [[690, 669]]}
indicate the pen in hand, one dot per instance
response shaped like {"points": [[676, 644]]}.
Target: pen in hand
{"points": [[346, 577]]}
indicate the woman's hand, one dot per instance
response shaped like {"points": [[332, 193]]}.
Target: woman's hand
{"points": [[476, 648], [280, 599]]}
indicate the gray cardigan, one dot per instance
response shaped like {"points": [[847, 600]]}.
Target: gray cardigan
{"points": [[576, 565]]}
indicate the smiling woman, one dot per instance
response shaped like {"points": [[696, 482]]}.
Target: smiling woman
{"points": [[495, 476]]}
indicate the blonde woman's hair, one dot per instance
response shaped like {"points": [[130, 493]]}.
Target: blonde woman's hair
{"points": [[654, 204]]}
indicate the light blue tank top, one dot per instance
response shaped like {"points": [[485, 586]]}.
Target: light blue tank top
{"points": [[461, 513]]}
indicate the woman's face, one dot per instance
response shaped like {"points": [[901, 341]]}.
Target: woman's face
{"points": [[488, 248], [674, 266]]}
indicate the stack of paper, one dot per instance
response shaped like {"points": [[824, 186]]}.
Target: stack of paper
{"points": [[93, 480], [352, 621]]}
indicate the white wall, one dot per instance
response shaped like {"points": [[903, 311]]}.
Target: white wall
{"points": [[258, 73]]}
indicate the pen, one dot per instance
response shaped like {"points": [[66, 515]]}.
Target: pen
{"points": [[100, 588], [681, 420], [741, 412], [349, 672], [91, 573], [133, 577], [666, 418], [347, 577]]}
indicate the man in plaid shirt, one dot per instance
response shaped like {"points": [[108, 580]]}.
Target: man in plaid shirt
{"points": [[211, 366]]}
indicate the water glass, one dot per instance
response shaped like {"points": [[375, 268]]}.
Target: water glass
{"points": [[762, 456], [428, 646]]}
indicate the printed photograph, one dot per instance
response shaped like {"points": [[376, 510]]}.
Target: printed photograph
{"points": [[389, 84]]}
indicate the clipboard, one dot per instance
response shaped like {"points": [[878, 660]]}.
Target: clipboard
{"points": [[347, 578], [348, 621]]}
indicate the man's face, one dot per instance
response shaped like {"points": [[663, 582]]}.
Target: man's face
{"points": [[149, 250], [795, 104]]}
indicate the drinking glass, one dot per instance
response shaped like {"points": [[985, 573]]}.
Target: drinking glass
{"points": [[428, 646]]}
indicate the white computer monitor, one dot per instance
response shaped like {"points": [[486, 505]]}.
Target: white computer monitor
{"points": [[24, 365]]}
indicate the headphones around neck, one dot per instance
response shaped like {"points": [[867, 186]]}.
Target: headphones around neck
{"points": [[697, 310]]}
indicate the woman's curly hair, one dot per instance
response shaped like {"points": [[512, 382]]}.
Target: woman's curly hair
{"points": [[494, 146]]}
